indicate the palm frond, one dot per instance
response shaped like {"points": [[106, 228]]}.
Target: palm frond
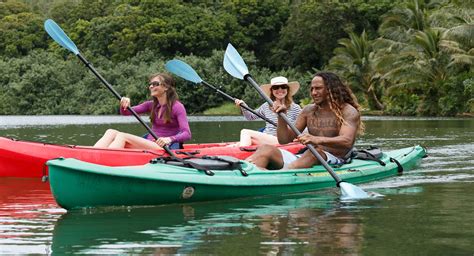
{"points": [[461, 59], [464, 34]]}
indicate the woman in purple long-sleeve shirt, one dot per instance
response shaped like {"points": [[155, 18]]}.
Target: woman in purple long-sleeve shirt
{"points": [[167, 115]]}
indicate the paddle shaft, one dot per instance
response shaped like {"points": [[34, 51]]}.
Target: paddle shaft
{"points": [[117, 95], [242, 105], [294, 129]]}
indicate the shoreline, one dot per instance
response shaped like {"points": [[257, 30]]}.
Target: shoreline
{"points": [[16, 121]]}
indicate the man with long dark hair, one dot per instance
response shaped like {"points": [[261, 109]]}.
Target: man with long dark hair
{"points": [[333, 122]]}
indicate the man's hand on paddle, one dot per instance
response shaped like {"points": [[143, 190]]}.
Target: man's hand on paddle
{"points": [[306, 138]]}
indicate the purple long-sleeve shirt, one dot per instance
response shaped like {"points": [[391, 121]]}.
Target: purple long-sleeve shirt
{"points": [[178, 127]]}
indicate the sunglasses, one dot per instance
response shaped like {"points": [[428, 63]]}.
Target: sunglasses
{"points": [[154, 83], [281, 86]]}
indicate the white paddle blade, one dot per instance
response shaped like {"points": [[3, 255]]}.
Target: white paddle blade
{"points": [[349, 191], [234, 64]]}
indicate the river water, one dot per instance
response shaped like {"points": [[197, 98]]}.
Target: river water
{"points": [[427, 211]]}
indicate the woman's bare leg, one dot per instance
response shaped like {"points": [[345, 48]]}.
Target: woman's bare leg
{"points": [[263, 138], [127, 140], [107, 139], [249, 137], [245, 138]]}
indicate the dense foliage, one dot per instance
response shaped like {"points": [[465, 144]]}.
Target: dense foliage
{"points": [[405, 58]]}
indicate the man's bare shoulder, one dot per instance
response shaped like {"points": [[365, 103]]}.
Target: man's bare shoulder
{"points": [[310, 108], [349, 112]]}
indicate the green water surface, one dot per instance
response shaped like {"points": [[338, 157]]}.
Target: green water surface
{"points": [[427, 211]]}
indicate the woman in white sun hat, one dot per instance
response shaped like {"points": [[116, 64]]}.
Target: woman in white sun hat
{"points": [[279, 89]]}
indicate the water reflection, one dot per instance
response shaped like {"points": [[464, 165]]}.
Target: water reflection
{"points": [[266, 225], [27, 215]]}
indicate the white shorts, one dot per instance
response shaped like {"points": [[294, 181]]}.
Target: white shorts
{"points": [[289, 157]]}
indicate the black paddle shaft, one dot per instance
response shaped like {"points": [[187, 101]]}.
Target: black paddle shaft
{"points": [[294, 129], [117, 95], [242, 105]]}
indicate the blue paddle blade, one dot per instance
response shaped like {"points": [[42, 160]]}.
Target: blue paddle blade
{"points": [[234, 64], [183, 70], [58, 35]]}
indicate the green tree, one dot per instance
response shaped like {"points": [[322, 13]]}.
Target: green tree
{"points": [[311, 33], [165, 27], [423, 68], [462, 29], [402, 21], [356, 61], [12, 7], [21, 33], [255, 25], [423, 46]]}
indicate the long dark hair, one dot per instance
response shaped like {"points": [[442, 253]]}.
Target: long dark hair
{"points": [[339, 94], [171, 96]]}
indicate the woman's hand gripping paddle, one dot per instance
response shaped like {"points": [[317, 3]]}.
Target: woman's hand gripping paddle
{"points": [[236, 67], [185, 71], [62, 39]]}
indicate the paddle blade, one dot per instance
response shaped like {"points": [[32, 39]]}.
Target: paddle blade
{"points": [[349, 191], [58, 35], [234, 64], [183, 70]]}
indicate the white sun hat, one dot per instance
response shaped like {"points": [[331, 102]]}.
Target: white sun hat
{"points": [[279, 80]]}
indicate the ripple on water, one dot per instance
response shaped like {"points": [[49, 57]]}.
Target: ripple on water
{"points": [[446, 164]]}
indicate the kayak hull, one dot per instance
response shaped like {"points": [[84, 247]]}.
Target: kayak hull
{"points": [[27, 159], [77, 184]]}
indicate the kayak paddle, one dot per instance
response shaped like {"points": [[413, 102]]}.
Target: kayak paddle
{"points": [[185, 71], [236, 67], [62, 39]]}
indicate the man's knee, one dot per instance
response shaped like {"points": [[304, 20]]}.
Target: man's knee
{"points": [[321, 153], [308, 159], [263, 151], [267, 149]]}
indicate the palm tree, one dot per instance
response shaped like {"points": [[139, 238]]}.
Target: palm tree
{"points": [[403, 21], [464, 32], [420, 48], [355, 61], [424, 65], [459, 22]]}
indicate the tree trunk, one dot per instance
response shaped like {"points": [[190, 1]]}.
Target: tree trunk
{"points": [[374, 101]]}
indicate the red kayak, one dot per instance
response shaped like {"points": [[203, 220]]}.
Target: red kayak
{"points": [[27, 159]]}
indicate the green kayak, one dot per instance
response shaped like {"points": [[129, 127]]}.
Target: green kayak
{"points": [[77, 184]]}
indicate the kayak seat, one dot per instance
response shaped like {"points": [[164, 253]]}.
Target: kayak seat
{"points": [[204, 163], [372, 153]]}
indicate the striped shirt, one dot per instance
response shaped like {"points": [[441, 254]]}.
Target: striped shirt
{"points": [[265, 111]]}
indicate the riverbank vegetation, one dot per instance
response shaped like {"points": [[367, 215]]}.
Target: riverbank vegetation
{"points": [[411, 57]]}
